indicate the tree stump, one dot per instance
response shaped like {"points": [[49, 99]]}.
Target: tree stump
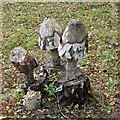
{"points": [[75, 91]]}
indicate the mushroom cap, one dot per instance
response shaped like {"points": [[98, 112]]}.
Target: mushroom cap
{"points": [[74, 32], [50, 34], [74, 41], [18, 54]]}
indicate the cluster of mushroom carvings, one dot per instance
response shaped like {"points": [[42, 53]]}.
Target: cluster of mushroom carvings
{"points": [[73, 43]]}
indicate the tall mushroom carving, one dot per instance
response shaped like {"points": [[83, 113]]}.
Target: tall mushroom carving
{"points": [[74, 46], [49, 37]]}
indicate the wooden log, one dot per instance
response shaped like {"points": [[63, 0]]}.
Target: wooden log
{"points": [[24, 63]]}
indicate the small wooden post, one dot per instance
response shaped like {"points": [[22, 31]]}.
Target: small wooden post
{"points": [[25, 63]]}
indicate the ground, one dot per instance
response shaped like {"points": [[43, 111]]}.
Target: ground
{"points": [[20, 27]]}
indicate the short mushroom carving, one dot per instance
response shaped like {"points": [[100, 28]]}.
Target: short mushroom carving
{"points": [[25, 63], [49, 37], [74, 46]]}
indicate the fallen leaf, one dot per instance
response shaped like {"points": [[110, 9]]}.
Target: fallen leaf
{"points": [[7, 107], [113, 102], [106, 94]]}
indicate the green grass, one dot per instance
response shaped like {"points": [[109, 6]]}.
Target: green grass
{"points": [[20, 28]]}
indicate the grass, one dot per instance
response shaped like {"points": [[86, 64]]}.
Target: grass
{"points": [[21, 22]]}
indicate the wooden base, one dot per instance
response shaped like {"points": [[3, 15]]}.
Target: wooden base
{"points": [[75, 91], [69, 91]]}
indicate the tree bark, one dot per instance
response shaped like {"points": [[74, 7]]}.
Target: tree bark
{"points": [[71, 69], [55, 58], [75, 91]]}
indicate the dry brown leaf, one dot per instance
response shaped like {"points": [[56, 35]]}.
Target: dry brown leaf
{"points": [[106, 94], [113, 102]]}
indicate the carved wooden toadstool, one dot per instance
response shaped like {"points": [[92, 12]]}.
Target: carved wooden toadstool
{"points": [[25, 63], [50, 35], [74, 46]]}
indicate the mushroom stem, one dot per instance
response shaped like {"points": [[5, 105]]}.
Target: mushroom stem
{"points": [[71, 69], [55, 58], [29, 79]]}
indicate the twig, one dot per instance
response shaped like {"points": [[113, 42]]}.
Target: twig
{"points": [[61, 112], [60, 109]]}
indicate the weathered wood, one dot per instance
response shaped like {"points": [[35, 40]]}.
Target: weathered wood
{"points": [[55, 58], [48, 66], [74, 46], [49, 39], [75, 87], [32, 100], [25, 63], [42, 78], [71, 69], [75, 91]]}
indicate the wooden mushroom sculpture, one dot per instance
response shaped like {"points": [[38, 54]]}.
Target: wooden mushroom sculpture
{"points": [[25, 63], [32, 100], [74, 46], [49, 37]]}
